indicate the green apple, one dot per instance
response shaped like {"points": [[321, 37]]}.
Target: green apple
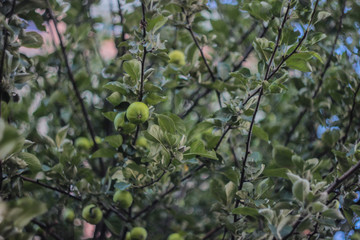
{"points": [[137, 112], [175, 236], [120, 122], [83, 142], [123, 198], [141, 142], [128, 236], [177, 57], [98, 139], [138, 233], [68, 215], [92, 214]]}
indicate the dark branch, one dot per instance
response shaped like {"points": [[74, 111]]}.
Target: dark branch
{"points": [[297, 223], [341, 179], [72, 80], [297, 46], [46, 229], [141, 89], [351, 114], [212, 232], [3, 52], [248, 141], [236, 67], [50, 187], [189, 28], [322, 74]]}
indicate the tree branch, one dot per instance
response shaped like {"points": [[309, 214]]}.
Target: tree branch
{"points": [[322, 74], [351, 114], [46, 229], [236, 67], [297, 46], [50, 187], [122, 52], [212, 232], [72, 80], [189, 28], [341, 179], [248, 141], [2, 61], [141, 89]]}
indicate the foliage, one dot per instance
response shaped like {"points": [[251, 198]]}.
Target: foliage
{"points": [[253, 127]]}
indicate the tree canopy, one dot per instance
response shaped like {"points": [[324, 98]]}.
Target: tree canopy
{"points": [[179, 119]]}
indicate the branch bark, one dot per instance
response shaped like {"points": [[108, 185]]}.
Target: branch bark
{"points": [[141, 88], [50, 187], [212, 75], [72, 80]]}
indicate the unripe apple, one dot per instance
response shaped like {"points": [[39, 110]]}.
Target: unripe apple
{"points": [[137, 112], [123, 198], [175, 236], [92, 214], [138, 233], [141, 142], [83, 142], [119, 122], [68, 215], [128, 236], [177, 57]]}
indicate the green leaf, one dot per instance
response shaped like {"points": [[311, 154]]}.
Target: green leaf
{"points": [[133, 68], [24, 210], [246, 211], [156, 22], [104, 152], [114, 98], [356, 209], [260, 133], [114, 140], [298, 63], [166, 123], [282, 156], [32, 161], [32, 40], [275, 172], [217, 189], [333, 214], [301, 189], [61, 135], [198, 149], [116, 87], [154, 98]]}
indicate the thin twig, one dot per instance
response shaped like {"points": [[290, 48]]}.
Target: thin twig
{"points": [[248, 141], [50, 187], [72, 80], [122, 52], [227, 129], [141, 88], [284, 58], [170, 190], [297, 223], [2, 61], [46, 229], [322, 74], [235, 67], [213, 78], [351, 115], [341, 179], [209, 234]]}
